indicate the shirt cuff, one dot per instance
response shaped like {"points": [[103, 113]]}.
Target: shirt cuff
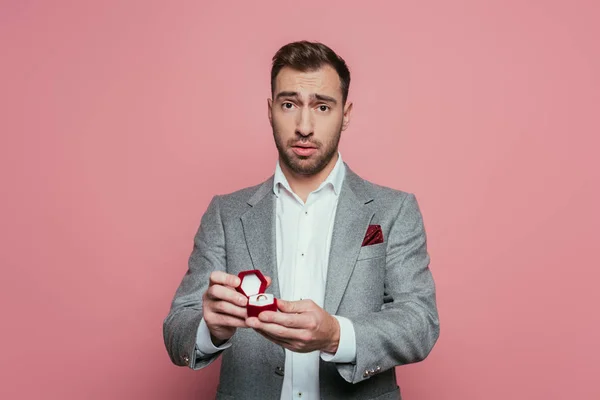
{"points": [[346, 351], [204, 344]]}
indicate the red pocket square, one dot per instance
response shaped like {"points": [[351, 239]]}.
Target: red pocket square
{"points": [[374, 235]]}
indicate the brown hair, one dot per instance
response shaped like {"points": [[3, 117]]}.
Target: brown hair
{"points": [[309, 56]]}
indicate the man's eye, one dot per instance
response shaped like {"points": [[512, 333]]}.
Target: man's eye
{"points": [[323, 108], [288, 106]]}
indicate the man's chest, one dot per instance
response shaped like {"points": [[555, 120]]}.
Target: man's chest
{"points": [[303, 240]]}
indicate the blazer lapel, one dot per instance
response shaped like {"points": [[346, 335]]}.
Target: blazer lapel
{"points": [[351, 222], [259, 231]]}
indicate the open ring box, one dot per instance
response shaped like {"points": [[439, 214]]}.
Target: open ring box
{"points": [[253, 285]]}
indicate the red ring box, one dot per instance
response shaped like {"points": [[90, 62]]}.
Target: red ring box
{"points": [[253, 284]]}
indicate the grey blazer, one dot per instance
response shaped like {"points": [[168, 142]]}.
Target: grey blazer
{"points": [[386, 290]]}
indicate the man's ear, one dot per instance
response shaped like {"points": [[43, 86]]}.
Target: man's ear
{"points": [[347, 115], [270, 107]]}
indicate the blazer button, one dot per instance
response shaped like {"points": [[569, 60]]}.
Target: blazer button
{"points": [[186, 359], [279, 371], [378, 369], [366, 374]]}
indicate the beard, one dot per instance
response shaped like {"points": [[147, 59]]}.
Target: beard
{"points": [[307, 165]]}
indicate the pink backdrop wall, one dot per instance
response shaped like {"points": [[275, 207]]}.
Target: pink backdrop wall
{"points": [[121, 119]]}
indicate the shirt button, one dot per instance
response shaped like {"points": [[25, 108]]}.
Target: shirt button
{"points": [[299, 394]]}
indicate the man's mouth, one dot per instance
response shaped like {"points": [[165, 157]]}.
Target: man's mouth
{"points": [[304, 150]]}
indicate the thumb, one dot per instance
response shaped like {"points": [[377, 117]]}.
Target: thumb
{"points": [[268, 280], [284, 305], [293, 306]]}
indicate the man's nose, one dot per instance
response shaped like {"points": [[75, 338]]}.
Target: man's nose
{"points": [[305, 125]]}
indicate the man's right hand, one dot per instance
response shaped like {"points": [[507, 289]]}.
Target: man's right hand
{"points": [[224, 309]]}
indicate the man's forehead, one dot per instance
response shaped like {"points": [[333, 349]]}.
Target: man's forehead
{"points": [[324, 80]]}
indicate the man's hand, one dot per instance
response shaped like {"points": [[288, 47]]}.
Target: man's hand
{"points": [[224, 309], [301, 326]]}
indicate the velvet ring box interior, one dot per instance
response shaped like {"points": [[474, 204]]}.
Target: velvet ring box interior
{"points": [[253, 285]]}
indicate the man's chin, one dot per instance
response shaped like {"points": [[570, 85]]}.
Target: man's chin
{"points": [[296, 158], [304, 165], [304, 169]]}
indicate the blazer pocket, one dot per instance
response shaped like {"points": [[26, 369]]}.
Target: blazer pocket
{"points": [[372, 251]]}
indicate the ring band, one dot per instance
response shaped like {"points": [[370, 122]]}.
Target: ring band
{"points": [[261, 297]]}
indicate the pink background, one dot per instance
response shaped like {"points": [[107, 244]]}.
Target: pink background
{"points": [[121, 119]]}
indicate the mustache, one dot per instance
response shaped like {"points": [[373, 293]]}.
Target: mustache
{"points": [[294, 142]]}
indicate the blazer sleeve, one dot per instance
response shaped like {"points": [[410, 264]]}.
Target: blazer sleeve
{"points": [[406, 328], [181, 324]]}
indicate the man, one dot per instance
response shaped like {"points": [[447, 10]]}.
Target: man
{"points": [[346, 259]]}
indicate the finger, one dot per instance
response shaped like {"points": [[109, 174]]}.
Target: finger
{"points": [[278, 331], [224, 307], [225, 320], [268, 280], [292, 345], [225, 279], [274, 339], [218, 292], [281, 342], [296, 306], [298, 321]]}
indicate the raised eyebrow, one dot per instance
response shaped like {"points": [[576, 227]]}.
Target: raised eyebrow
{"points": [[320, 97], [286, 94], [328, 99]]}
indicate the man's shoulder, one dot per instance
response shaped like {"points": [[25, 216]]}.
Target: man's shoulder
{"points": [[382, 195], [390, 202], [378, 192], [386, 191]]}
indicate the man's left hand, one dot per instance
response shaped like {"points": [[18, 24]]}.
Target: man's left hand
{"points": [[301, 326]]}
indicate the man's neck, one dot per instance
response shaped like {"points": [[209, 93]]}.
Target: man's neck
{"points": [[303, 185]]}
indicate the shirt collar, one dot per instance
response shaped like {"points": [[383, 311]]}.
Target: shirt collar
{"points": [[335, 178]]}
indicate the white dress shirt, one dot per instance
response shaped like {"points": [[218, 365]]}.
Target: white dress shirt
{"points": [[303, 236]]}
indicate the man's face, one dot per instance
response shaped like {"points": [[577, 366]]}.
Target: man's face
{"points": [[307, 117]]}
